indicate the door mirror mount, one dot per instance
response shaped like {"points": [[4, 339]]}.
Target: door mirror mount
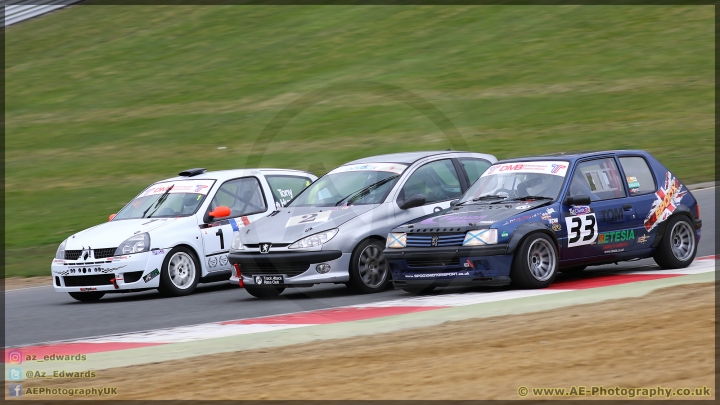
{"points": [[415, 200], [219, 212], [579, 199]]}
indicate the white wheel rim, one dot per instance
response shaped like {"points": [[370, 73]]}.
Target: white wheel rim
{"points": [[181, 270]]}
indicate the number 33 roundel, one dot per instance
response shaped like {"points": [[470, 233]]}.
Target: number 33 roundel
{"points": [[582, 229]]}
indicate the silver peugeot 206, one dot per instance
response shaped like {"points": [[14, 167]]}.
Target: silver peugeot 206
{"points": [[335, 230]]}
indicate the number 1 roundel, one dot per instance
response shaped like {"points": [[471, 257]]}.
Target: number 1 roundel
{"points": [[582, 229]]}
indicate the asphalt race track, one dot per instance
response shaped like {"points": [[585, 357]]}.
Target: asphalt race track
{"points": [[38, 315]]}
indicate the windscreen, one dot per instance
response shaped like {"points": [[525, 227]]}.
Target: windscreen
{"points": [[183, 199], [543, 179], [351, 185]]}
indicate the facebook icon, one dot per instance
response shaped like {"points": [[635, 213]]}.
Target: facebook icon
{"points": [[15, 390]]}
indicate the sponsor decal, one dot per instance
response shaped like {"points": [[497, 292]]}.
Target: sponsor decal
{"points": [[521, 218], [223, 260], [285, 195], [522, 207], [485, 222], [580, 210], [182, 186], [612, 215], [555, 167], [557, 227], [151, 275], [158, 252], [617, 236], [643, 239], [552, 221], [504, 234], [550, 210], [212, 261], [309, 218], [667, 199], [615, 247], [582, 230], [546, 217], [373, 167], [433, 275], [633, 184]]}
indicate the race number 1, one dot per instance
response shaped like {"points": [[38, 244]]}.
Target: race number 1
{"points": [[582, 229]]}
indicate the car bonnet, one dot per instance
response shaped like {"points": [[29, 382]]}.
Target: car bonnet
{"points": [[291, 224], [113, 233], [476, 215]]}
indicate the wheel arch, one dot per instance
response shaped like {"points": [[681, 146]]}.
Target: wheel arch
{"points": [[524, 231], [680, 210], [194, 252]]}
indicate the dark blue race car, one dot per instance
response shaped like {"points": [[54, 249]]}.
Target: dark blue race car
{"points": [[527, 219]]}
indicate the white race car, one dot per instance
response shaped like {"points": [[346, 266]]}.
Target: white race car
{"points": [[173, 235]]}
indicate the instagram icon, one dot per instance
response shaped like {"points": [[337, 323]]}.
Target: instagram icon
{"points": [[15, 356]]}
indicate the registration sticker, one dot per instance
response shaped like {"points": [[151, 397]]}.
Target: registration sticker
{"points": [[308, 218]]}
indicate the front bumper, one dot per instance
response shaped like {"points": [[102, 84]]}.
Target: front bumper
{"points": [[112, 274], [297, 267], [450, 266]]}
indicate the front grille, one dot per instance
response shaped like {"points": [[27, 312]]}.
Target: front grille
{"points": [[274, 245], [103, 253], [443, 240], [72, 254], [432, 262], [289, 269], [88, 281], [99, 253]]}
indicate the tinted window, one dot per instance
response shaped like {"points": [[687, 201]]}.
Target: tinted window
{"points": [[638, 175], [285, 188], [243, 197], [599, 179], [474, 167], [437, 181]]}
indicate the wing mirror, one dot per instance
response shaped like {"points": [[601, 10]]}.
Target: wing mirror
{"points": [[219, 212], [579, 199], [110, 218], [415, 200], [453, 202]]}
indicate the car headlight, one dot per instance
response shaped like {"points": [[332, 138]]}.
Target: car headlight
{"points": [[480, 237], [60, 254], [396, 240], [236, 243], [317, 239], [134, 244]]}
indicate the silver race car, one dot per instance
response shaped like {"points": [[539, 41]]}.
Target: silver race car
{"points": [[334, 231]]}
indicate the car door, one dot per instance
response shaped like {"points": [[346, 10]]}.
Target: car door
{"points": [[247, 202], [642, 188], [438, 181], [605, 226]]}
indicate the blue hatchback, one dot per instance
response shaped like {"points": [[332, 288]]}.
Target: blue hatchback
{"points": [[527, 219]]}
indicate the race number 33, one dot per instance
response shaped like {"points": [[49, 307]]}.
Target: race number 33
{"points": [[582, 229]]}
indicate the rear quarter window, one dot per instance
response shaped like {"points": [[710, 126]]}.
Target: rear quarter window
{"points": [[285, 188], [638, 175]]}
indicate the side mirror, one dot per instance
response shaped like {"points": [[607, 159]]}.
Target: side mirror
{"points": [[110, 218], [579, 199], [415, 200], [453, 202], [219, 212]]}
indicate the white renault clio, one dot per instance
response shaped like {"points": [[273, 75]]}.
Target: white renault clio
{"points": [[173, 235]]}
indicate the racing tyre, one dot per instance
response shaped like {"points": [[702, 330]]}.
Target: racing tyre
{"points": [[369, 272], [87, 296], [678, 246], [536, 262], [418, 290], [180, 272], [574, 269], [264, 292]]}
